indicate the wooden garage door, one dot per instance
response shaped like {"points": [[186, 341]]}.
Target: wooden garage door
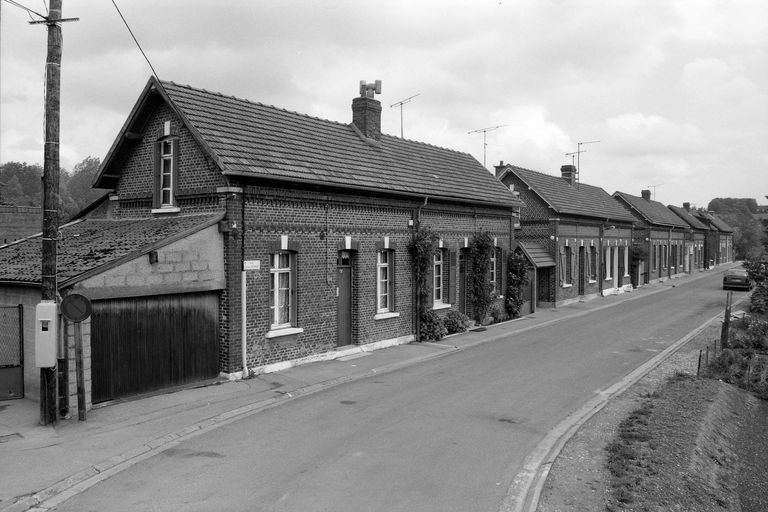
{"points": [[142, 344]]}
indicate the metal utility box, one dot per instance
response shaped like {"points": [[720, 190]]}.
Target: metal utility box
{"points": [[46, 334]]}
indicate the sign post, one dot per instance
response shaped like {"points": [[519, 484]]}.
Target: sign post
{"points": [[76, 308]]}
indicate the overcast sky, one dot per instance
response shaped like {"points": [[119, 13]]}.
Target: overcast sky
{"points": [[676, 92]]}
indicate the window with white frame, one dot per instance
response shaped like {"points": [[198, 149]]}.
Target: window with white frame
{"points": [[494, 272], [626, 261], [166, 174], [592, 264], [438, 288], [608, 263], [282, 290], [384, 281]]}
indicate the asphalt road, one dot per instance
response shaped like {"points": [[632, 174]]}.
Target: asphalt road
{"points": [[445, 435]]}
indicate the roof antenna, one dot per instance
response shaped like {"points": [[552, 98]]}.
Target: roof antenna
{"points": [[486, 130], [400, 104], [577, 155], [654, 189]]}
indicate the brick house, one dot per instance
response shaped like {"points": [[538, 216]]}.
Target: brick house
{"points": [[718, 248], [695, 240], [575, 235], [310, 218], [659, 234]]}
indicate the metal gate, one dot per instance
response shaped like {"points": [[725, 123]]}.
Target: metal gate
{"points": [[11, 352]]}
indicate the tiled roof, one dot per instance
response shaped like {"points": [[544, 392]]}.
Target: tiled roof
{"points": [[688, 217], [261, 141], [537, 254], [92, 243], [578, 199], [652, 211], [714, 220]]}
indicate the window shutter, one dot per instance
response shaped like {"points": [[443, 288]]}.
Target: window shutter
{"points": [[294, 289], [503, 271], [562, 264], [156, 176], [588, 263], [175, 169], [392, 281], [451, 281], [574, 258]]}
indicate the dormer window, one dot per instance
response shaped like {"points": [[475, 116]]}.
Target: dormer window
{"points": [[166, 173]]}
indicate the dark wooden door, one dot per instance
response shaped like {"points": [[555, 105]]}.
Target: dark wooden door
{"points": [[344, 308], [142, 344]]}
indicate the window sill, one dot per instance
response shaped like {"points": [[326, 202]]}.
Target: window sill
{"points": [[285, 331], [567, 285], [166, 209], [440, 305], [592, 281], [384, 316], [609, 278]]}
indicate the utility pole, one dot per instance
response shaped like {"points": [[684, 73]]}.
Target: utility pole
{"points": [[51, 190], [51, 194]]}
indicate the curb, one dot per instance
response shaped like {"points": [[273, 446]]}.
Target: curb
{"points": [[525, 491]]}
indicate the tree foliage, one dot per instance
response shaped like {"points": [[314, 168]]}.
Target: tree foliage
{"points": [[421, 248], [21, 185], [748, 234]]}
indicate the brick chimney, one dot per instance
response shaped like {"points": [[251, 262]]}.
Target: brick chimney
{"points": [[646, 194], [500, 168], [687, 206], [366, 111], [569, 173]]}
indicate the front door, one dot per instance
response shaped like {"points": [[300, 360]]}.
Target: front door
{"points": [[344, 291]]}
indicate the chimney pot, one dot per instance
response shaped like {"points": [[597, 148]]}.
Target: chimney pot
{"points": [[646, 195], [569, 173]]}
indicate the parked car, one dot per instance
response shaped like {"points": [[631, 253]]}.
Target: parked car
{"points": [[736, 278]]}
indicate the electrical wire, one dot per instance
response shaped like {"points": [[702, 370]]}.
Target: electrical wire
{"points": [[29, 11], [134, 40]]}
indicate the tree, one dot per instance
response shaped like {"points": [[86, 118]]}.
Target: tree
{"points": [[27, 179], [480, 287], [748, 232], [76, 190]]}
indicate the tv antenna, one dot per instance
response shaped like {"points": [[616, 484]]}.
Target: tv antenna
{"points": [[577, 155], [400, 104], [654, 189], [486, 130]]}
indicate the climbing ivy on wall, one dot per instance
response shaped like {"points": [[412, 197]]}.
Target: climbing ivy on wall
{"points": [[479, 285], [517, 278], [421, 248]]}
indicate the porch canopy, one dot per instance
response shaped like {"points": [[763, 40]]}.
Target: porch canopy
{"points": [[536, 254]]}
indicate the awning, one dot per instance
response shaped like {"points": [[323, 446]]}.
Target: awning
{"points": [[536, 254]]}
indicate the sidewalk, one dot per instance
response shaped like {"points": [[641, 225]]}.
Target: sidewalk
{"points": [[42, 466]]}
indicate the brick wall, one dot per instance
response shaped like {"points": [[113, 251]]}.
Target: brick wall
{"points": [[18, 222]]}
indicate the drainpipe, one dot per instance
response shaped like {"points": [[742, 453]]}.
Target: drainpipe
{"points": [[243, 290]]}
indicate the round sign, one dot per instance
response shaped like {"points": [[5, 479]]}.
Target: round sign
{"points": [[76, 307]]}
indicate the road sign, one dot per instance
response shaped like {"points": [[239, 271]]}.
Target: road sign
{"points": [[76, 307]]}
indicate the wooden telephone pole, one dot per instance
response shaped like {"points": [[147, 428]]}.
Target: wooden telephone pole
{"points": [[51, 193]]}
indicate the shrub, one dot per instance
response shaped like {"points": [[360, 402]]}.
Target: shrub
{"points": [[758, 303], [432, 327], [455, 322], [498, 312]]}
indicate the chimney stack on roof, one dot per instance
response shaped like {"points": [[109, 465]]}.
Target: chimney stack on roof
{"points": [[366, 111], [687, 206], [646, 195], [569, 173]]}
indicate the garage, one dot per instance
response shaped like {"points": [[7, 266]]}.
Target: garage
{"points": [[143, 344]]}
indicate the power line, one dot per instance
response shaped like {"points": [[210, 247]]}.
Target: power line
{"points": [[29, 11], [135, 41]]}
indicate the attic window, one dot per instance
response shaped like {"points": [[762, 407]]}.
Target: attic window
{"points": [[166, 175]]}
